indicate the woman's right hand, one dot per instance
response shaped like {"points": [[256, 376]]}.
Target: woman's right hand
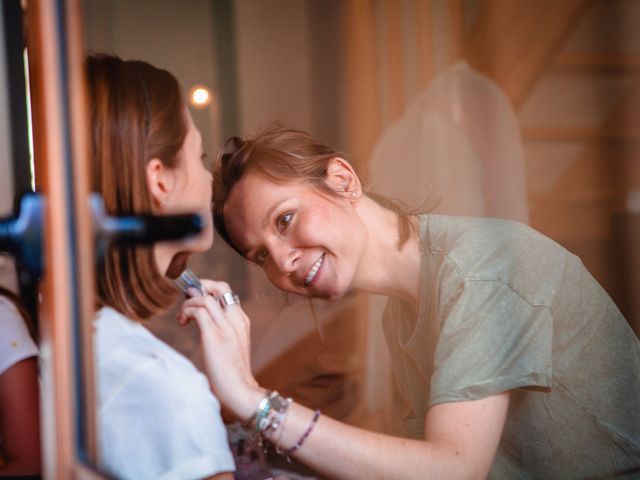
{"points": [[225, 335]]}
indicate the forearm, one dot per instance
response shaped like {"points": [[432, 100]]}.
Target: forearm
{"points": [[461, 437], [340, 451]]}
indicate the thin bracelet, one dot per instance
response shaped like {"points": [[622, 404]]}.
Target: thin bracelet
{"points": [[304, 435], [282, 425]]}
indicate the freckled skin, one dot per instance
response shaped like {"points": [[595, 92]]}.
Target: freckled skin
{"points": [[315, 224]]}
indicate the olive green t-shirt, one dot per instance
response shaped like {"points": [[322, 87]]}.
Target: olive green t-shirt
{"points": [[503, 307]]}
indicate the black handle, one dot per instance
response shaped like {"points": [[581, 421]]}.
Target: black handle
{"points": [[21, 236], [141, 229]]}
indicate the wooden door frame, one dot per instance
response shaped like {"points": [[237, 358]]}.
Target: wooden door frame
{"points": [[55, 48]]}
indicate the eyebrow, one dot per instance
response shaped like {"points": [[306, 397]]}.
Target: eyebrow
{"points": [[263, 225], [265, 219]]}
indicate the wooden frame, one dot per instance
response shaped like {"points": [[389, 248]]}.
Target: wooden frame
{"points": [[54, 43]]}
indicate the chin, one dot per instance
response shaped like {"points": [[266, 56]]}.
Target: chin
{"points": [[334, 295]]}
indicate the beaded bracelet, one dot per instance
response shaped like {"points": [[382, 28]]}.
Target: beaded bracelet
{"points": [[304, 435]]}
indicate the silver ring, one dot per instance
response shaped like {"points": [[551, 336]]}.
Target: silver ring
{"points": [[227, 299]]}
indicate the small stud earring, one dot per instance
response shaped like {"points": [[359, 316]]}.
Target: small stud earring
{"points": [[353, 194]]}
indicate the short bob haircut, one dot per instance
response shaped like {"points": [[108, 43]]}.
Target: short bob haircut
{"points": [[136, 113], [284, 155]]}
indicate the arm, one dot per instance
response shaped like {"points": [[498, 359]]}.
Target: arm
{"points": [[461, 441], [20, 419], [461, 438]]}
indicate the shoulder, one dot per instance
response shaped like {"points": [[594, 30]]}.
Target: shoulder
{"points": [[482, 234], [11, 318], [15, 342], [132, 361], [491, 247], [155, 397], [119, 339], [470, 250]]}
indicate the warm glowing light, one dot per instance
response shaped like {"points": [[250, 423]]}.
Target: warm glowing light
{"points": [[199, 96]]}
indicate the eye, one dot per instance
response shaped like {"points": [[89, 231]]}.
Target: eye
{"points": [[284, 221], [260, 257]]}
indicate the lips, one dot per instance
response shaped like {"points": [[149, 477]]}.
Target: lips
{"points": [[315, 268]]}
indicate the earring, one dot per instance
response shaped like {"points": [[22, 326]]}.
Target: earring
{"points": [[354, 194]]}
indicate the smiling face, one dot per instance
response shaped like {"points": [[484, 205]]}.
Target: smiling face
{"points": [[307, 242]]}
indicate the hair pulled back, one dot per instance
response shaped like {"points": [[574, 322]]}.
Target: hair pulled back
{"points": [[284, 155]]}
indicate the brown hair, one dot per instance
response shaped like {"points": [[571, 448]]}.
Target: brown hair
{"points": [[136, 113], [283, 154]]}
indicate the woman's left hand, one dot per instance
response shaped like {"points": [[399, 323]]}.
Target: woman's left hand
{"points": [[225, 335]]}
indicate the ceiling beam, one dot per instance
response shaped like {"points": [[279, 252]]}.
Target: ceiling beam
{"points": [[512, 41]]}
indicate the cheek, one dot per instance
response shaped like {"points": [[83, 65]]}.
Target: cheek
{"points": [[327, 227], [200, 190]]}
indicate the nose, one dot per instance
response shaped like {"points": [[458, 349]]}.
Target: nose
{"points": [[285, 257]]}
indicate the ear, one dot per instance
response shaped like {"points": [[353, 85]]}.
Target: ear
{"points": [[342, 178], [160, 181]]}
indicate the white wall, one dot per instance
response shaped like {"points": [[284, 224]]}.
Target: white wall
{"points": [[274, 63], [171, 34]]}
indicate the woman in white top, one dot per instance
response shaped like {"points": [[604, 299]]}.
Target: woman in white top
{"points": [[19, 399], [157, 415]]}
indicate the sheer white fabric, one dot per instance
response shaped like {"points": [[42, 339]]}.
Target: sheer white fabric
{"points": [[458, 142], [458, 147]]}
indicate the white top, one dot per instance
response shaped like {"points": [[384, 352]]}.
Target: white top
{"points": [[156, 413], [15, 342]]}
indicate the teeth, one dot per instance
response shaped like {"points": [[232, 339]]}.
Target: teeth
{"points": [[314, 270]]}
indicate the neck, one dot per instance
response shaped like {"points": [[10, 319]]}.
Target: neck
{"points": [[384, 269]]}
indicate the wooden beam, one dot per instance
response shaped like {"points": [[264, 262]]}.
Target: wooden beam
{"points": [[363, 122], [456, 31], [424, 42], [512, 41], [394, 59], [598, 62], [579, 134], [363, 126]]}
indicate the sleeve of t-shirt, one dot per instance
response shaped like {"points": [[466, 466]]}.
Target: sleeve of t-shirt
{"points": [[491, 340], [163, 426], [15, 342]]}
